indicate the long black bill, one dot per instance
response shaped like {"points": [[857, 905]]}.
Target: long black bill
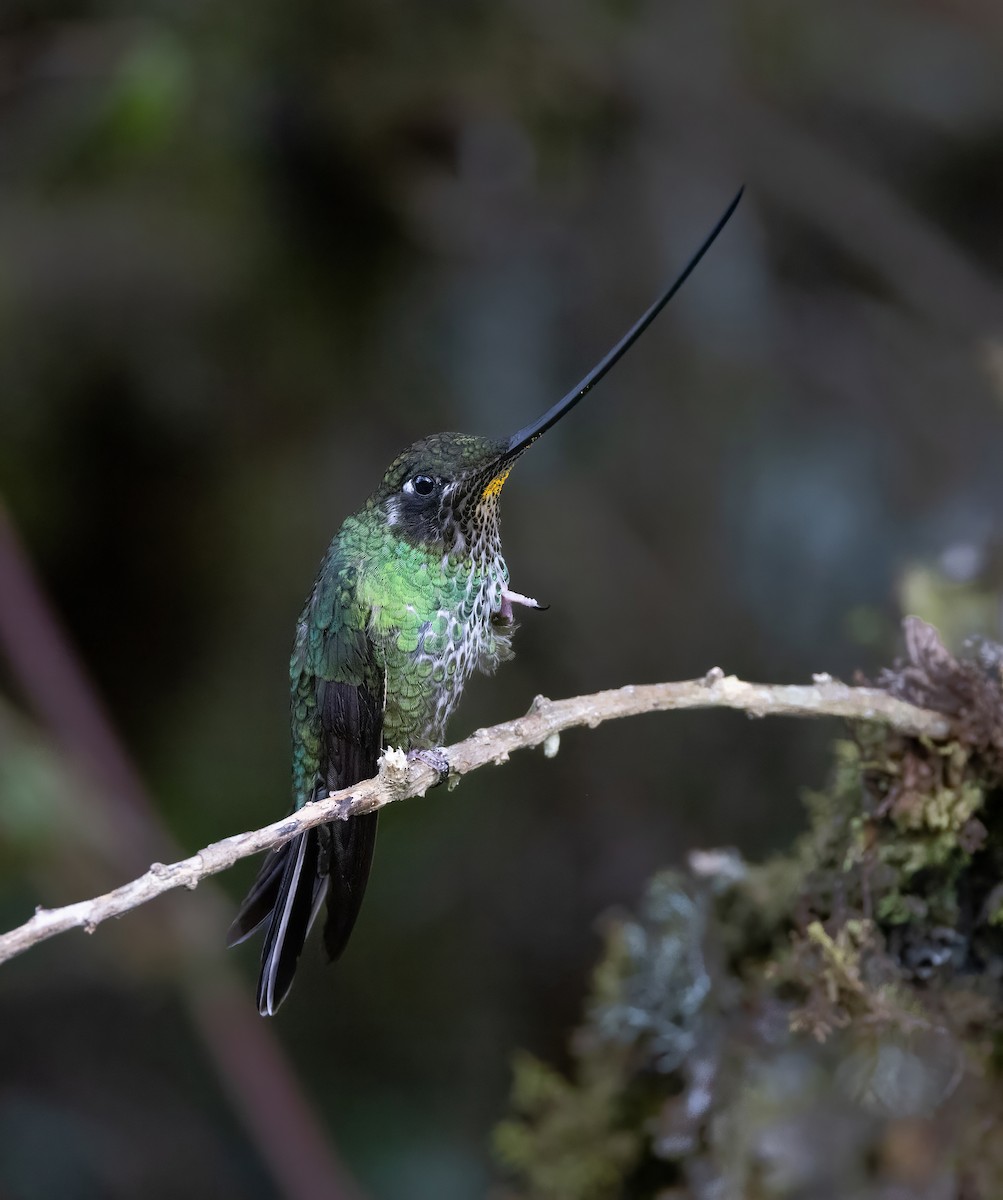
{"points": [[525, 437]]}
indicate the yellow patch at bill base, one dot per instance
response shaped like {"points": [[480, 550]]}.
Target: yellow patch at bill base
{"points": [[495, 486]]}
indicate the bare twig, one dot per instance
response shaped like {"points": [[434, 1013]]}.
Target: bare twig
{"points": [[544, 722]]}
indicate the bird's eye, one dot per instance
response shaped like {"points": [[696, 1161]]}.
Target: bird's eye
{"points": [[420, 485]]}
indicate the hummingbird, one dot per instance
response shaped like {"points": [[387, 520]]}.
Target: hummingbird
{"points": [[411, 598]]}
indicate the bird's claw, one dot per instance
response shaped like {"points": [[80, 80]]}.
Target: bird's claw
{"points": [[434, 757], [510, 598]]}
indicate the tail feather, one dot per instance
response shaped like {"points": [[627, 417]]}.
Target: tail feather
{"points": [[287, 894], [350, 856], [331, 861], [295, 907], [259, 902]]}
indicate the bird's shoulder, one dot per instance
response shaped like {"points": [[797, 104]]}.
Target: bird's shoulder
{"points": [[332, 641]]}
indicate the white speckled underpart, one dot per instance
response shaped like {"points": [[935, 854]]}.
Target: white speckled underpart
{"points": [[472, 637]]}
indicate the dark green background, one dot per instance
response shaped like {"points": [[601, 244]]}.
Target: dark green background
{"points": [[247, 252]]}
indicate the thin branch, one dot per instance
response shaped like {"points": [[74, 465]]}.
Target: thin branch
{"points": [[543, 724]]}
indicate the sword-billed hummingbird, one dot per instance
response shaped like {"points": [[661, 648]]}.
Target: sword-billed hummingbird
{"points": [[412, 597]]}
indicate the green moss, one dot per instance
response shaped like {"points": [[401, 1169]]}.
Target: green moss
{"points": [[762, 1031], [568, 1140], [896, 909], [580, 1137]]}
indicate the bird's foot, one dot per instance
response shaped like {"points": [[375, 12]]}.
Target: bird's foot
{"points": [[434, 757], [511, 598]]}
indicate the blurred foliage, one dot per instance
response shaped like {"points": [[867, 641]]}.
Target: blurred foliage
{"points": [[842, 1043], [249, 251]]}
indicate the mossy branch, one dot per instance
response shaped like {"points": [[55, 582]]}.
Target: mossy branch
{"points": [[542, 725]]}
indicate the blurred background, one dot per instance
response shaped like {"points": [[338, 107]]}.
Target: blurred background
{"points": [[248, 252]]}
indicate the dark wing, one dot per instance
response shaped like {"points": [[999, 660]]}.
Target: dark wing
{"points": [[352, 720], [337, 695]]}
